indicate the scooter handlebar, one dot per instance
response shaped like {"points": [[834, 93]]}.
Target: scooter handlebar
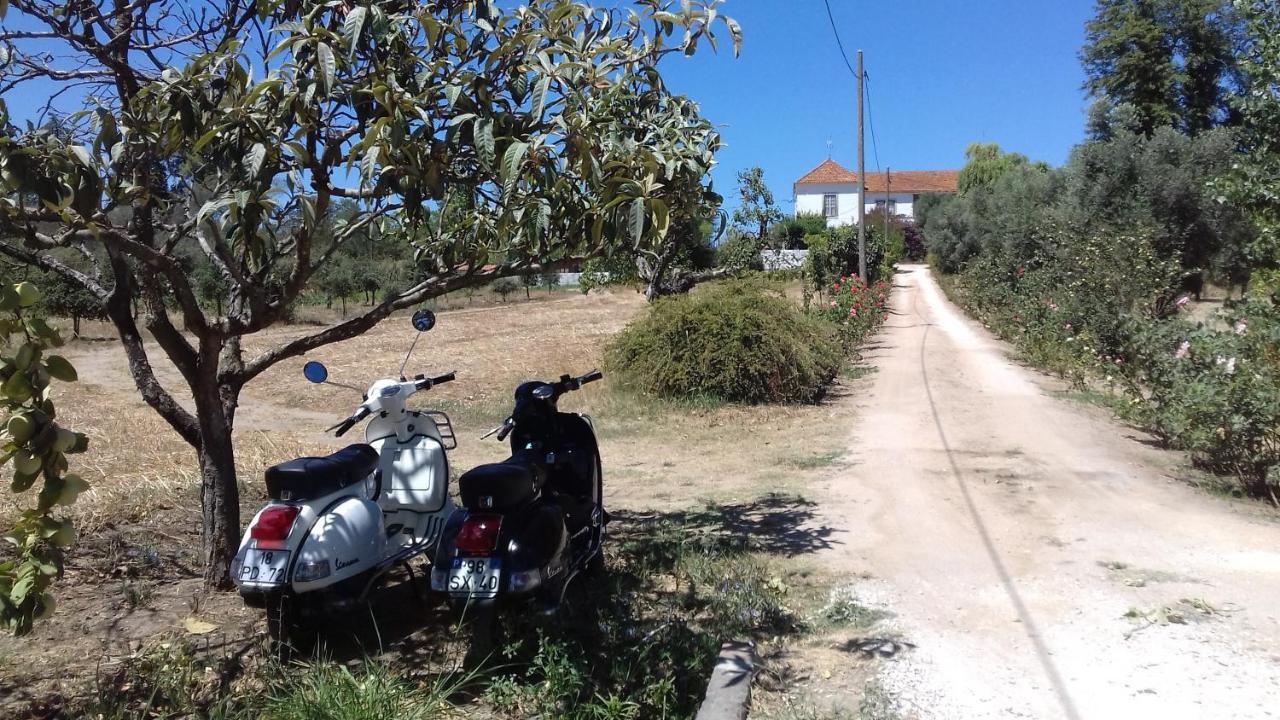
{"points": [[426, 383], [569, 384], [342, 427]]}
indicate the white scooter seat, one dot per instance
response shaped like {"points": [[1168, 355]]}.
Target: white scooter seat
{"points": [[312, 477]]}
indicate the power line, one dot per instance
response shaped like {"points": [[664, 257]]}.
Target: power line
{"points": [[871, 120], [839, 44]]}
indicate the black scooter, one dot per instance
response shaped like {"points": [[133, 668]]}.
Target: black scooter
{"points": [[530, 524]]}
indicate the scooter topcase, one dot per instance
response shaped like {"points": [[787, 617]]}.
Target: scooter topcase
{"points": [[312, 477], [499, 486]]}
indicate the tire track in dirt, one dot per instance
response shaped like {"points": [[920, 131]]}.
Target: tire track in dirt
{"points": [[1010, 532]]}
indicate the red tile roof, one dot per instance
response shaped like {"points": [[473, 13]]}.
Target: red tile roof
{"points": [[827, 172], [905, 181]]}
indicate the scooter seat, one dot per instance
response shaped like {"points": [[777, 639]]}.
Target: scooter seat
{"points": [[312, 477], [499, 486]]}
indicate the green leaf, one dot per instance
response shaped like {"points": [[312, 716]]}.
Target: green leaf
{"points": [[735, 32], [17, 387], [205, 139], [20, 589], [83, 156], [511, 161], [483, 130], [540, 97], [328, 65], [369, 163], [353, 26], [661, 217], [254, 159], [60, 368], [635, 225]]}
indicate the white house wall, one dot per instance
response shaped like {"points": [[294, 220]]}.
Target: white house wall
{"points": [[809, 200]]}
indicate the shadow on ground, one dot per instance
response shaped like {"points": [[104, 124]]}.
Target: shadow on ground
{"points": [[775, 524]]}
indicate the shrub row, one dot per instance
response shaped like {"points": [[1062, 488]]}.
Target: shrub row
{"points": [[1102, 310]]}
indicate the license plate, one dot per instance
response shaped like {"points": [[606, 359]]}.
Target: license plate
{"points": [[264, 567], [475, 577]]}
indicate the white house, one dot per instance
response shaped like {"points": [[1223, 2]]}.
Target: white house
{"points": [[832, 191]]}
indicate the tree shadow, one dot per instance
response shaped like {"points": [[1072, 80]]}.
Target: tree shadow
{"points": [[775, 524], [402, 619]]}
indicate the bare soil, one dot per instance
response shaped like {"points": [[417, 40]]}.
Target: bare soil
{"points": [[133, 581], [1042, 560]]}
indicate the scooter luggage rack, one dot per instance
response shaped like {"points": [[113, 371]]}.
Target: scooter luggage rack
{"points": [[445, 426]]}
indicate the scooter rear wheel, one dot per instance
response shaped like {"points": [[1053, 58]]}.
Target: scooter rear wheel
{"points": [[287, 637], [482, 631]]}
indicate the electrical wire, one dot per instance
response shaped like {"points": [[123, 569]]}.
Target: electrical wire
{"points": [[875, 148], [871, 120], [839, 44]]}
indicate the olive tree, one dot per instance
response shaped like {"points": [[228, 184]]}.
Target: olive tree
{"points": [[232, 127]]}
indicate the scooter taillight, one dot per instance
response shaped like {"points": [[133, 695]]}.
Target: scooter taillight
{"points": [[478, 534], [273, 526]]}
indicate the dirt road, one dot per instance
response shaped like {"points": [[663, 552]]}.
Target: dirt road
{"points": [[1011, 531]]}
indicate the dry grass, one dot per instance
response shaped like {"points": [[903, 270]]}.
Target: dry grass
{"points": [[657, 455]]}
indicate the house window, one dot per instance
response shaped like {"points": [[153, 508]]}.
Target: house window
{"points": [[829, 207], [893, 206]]}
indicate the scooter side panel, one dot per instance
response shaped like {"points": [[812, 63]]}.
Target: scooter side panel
{"points": [[349, 535], [415, 475]]}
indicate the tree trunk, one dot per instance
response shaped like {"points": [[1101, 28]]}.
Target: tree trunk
{"points": [[219, 491]]}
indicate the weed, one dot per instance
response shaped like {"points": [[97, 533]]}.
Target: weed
{"points": [[137, 595], [335, 692], [878, 703], [167, 681], [171, 681], [820, 460], [1200, 605], [844, 610]]}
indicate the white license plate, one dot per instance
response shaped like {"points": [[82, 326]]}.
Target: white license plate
{"points": [[475, 577], [264, 567]]}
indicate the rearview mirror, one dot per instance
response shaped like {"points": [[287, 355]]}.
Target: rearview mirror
{"points": [[424, 320], [315, 371]]}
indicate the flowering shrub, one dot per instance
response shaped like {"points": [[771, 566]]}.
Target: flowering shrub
{"points": [[1213, 391], [856, 308], [1065, 305], [1102, 311]]}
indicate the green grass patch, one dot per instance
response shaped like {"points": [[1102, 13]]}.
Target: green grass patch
{"points": [[818, 460]]}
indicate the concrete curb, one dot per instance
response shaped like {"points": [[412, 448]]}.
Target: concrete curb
{"points": [[729, 690]]}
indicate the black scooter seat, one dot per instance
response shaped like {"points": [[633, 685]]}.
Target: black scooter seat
{"points": [[312, 477], [498, 486]]}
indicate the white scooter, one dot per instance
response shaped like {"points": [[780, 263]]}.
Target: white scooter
{"points": [[336, 525]]}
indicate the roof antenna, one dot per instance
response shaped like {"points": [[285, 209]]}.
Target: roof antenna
{"points": [[828, 149]]}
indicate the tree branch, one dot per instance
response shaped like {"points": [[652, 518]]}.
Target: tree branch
{"points": [[359, 324]]}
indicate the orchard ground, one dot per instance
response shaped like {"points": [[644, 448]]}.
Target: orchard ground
{"points": [[132, 582], [953, 536]]}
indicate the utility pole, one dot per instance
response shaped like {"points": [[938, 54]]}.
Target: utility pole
{"points": [[862, 186], [886, 207]]}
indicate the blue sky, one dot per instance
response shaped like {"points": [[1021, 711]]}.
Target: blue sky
{"points": [[944, 73]]}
